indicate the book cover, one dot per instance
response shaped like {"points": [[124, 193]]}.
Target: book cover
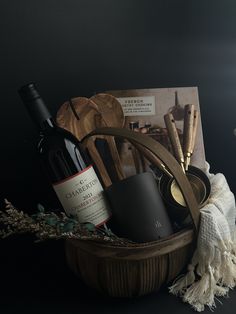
{"points": [[144, 111]]}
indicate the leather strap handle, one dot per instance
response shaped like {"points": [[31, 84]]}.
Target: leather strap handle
{"points": [[163, 154]]}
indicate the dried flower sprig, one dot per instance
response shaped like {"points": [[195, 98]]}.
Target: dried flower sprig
{"points": [[50, 225]]}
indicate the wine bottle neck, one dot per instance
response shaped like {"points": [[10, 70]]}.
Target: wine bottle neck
{"points": [[36, 107], [47, 125], [40, 114]]}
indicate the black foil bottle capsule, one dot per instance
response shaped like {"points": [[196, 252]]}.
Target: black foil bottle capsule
{"points": [[73, 178]]}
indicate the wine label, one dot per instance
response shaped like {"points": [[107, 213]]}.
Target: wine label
{"points": [[82, 196]]}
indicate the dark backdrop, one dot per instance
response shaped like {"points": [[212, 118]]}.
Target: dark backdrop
{"points": [[78, 47]]}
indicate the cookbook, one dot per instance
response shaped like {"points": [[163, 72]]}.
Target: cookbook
{"points": [[144, 111]]}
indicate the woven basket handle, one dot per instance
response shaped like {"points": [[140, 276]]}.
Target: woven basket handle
{"points": [[168, 160]]}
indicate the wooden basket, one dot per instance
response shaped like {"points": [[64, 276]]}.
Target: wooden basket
{"points": [[137, 269]]}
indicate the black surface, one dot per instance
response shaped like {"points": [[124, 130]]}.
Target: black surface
{"points": [[74, 48]]}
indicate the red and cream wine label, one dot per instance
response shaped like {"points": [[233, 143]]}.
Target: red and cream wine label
{"points": [[82, 196]]}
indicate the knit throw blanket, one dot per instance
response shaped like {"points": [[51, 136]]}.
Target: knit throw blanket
{"points": [[212, 271]]}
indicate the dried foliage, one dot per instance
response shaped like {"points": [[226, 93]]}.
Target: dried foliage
{"points": [[50, 225]]}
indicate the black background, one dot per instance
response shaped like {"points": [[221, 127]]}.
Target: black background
{"points": [[79, 47]]}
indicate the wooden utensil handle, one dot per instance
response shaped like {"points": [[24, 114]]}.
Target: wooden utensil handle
{"points": [[188, 129], [174, 137], [153, 159], [195, 126], [100, 122], [115, 156], [162, 153], [98, 162], [135, 159]]}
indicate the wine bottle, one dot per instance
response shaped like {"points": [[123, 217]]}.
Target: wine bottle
{"points": [[73, 178]]}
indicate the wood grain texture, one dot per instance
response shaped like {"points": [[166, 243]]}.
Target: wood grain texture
{"points": [[195, 127], [81, 124], [110, 109], [81, 116], [136, 269], [112, 115], [174, 138], [164, 155], [102, 120], [188, 133], [85, 109], [129, 271]]}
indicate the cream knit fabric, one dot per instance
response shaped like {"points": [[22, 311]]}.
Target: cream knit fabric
{"points": [[212, 271]]}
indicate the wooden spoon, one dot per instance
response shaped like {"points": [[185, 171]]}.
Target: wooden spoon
{"points": [[112, 115], [78, 117], [188, 133], [174, 138], [195, 127], [72, 112]]}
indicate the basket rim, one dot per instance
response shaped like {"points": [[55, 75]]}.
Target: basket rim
{"points": [[163, 246]]}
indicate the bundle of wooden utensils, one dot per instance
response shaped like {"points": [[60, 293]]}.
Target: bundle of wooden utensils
{"points": [[82, 115], [197, 178]]}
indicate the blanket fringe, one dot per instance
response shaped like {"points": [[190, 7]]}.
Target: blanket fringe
{"points": [[228, 270], [201, 292], [212, 272], [215, 280], [180, 285]]}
